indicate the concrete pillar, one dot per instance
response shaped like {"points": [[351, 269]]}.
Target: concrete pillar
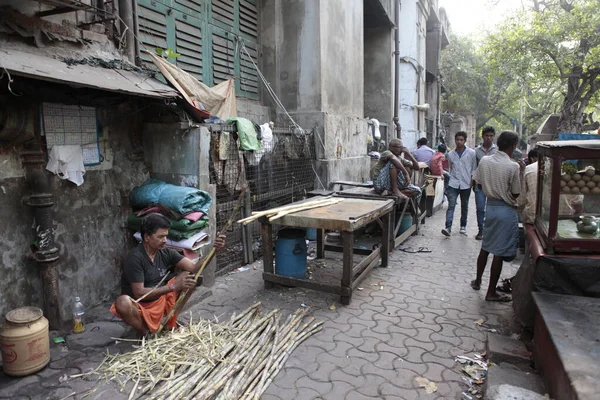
{"points": [[313, 56]]}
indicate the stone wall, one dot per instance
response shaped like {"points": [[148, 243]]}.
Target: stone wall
{"points": [[88, 223]]}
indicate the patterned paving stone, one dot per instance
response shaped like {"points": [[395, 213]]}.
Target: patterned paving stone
{"points": [[408, 320]]}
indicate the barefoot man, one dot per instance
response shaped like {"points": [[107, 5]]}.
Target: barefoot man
{"points": [[390, 173], [147, 268], [499, 178]]}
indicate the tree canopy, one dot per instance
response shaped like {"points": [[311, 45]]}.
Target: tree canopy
{"points": [[547, 56]]}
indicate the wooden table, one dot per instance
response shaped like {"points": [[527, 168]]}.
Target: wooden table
{"points": [[346, 216]]}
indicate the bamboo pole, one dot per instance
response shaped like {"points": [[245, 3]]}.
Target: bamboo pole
{"points": [[203, 263]]}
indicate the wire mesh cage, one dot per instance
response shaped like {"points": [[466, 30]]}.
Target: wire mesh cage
{"points": [[280, 173]]}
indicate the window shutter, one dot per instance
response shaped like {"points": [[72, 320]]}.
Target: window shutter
{"points": [[188, 41], [249, 19], [190, 7], [248, 85], [223, 55], [223, 11], [153, 21]]}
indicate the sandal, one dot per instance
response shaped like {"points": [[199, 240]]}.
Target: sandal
{"points": [[475, 285], [419, 250], [505, 286], [500, 299]]}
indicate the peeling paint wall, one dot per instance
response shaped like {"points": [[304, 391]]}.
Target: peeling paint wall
{"points": [[313, 55], [88, 224]]}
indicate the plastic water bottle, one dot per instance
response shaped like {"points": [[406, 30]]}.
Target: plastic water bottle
{"points": [[78, 314]]}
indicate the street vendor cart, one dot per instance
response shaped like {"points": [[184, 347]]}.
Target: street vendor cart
{"points": [[561, 269]]}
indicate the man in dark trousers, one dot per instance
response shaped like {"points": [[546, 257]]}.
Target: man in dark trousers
{"points": [[463, 162], [148, 271], [500, 179]]}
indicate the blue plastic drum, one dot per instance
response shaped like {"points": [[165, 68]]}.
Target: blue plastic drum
{"points": [[290, 253]]}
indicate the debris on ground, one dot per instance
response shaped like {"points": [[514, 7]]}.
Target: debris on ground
{"points": [[229, 360], [480, 322], [475, 371], [430, 387]]}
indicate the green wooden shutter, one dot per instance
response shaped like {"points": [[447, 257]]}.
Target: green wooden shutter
{"points": [[223, 55], [205, 33], [249, 19], [188, 39], [155, 28], [194, 8], [223, 13], [248, 82]]}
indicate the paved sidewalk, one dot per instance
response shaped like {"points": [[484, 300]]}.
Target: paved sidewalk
{"points": [[408, 321]]}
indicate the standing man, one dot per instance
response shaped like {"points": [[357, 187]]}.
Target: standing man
{"points": [[423, 153], [487, 148], [499, 178], [462, 162]]}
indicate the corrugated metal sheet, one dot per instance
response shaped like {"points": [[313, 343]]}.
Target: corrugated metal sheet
{"points": [[83, 75]]}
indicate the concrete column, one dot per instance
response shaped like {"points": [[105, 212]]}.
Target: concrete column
{"points": [[313, 57]]}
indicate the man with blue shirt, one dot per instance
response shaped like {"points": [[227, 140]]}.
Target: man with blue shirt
{"points": [[463, 163], [423, 153], [487, 148]]}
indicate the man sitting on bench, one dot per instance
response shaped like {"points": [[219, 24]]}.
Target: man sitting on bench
{"points": [[390, 173]]}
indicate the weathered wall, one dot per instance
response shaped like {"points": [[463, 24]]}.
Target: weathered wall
{"points": [[21, 281], [414, 15], [88, 223], [379, 74], [253, 111], [179, 154], [313, 57], [342, 64]]}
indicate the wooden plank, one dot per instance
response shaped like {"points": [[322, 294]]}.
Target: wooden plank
{"points": [[285, 280], [320, 243], [348, 263], [364, 274], [363, 263], [402, 238], [337, 216], [385, 238], [266, 231], [340, 249]]}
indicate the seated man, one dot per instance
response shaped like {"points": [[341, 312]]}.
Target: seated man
{"points": [[423, 153], [146, 269], [436, 165], [390, 173]]}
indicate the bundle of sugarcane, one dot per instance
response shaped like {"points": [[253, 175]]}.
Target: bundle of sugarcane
{"points": [[275, 213], [237, 359]]}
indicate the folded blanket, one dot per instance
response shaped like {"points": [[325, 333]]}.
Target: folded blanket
{"points": [[180, 199], [182, 229], [195, 242]]}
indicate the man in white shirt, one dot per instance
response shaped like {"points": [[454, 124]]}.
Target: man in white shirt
{"points": [[462, 162]]}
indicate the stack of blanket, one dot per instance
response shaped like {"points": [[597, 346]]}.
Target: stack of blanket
{"points": [[185, 207]]}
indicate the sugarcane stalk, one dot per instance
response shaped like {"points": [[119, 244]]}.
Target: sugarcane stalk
{"points": [[203, 263], [258, 214], [280, 212], [284, 213]]}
